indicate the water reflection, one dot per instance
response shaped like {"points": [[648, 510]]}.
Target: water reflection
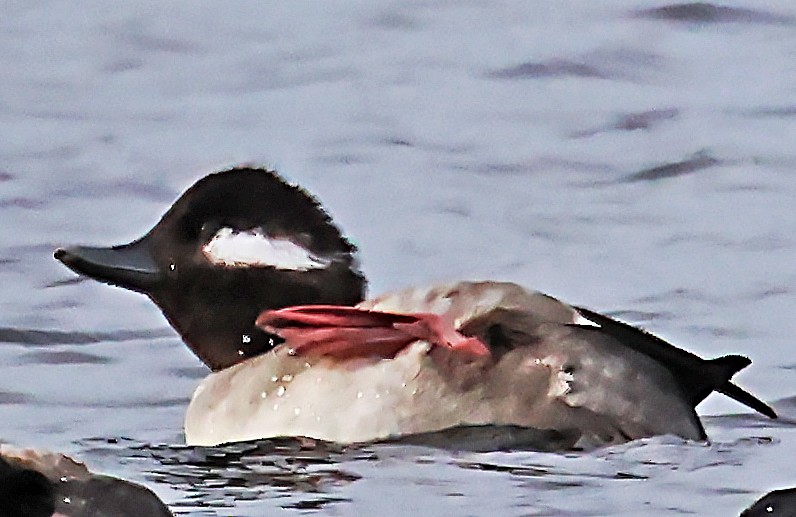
{"points": [[305, 474], [632, 122], [553, 68], [13, 397], [60, 357], [699, 161], [36, 337], [298, 473], [703, 12]]}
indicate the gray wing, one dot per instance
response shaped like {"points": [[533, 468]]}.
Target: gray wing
{"points": [[636, 395], [590, 381]]}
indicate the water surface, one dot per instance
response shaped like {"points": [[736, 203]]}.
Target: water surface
{"points": [[633, 156]]}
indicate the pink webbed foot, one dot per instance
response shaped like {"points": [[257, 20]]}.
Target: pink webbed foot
{"points": [[348, 332]]}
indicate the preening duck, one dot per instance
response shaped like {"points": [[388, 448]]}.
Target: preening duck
{"points": [[264, 288]]}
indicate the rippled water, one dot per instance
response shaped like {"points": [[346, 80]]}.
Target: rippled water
{"points": [[636, 157]]}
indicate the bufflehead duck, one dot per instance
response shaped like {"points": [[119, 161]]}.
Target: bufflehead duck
{"points": [[242, 257], [45, 484]]}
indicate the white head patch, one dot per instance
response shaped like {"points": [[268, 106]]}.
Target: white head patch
{"points": [[580, 319], [254, 249]]}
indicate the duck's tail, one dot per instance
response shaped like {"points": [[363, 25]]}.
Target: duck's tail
{"points": [[697, 377], [727, 366]]}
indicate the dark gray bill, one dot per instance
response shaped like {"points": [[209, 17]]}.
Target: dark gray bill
{"points": [[130, 266]]}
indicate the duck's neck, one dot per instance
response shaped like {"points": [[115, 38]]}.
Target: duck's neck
{"points": [[218, 324]]}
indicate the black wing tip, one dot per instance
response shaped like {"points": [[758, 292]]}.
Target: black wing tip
{"points": [[728, 365], [737, 393], [716, 376]]}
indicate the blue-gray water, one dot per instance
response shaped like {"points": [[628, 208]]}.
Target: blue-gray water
{"points": [[629, 157]]}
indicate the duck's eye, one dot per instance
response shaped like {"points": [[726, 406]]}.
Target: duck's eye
{"points": [[207, 230]]}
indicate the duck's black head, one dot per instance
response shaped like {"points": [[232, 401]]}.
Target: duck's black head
{"points": [[236, 243]]}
